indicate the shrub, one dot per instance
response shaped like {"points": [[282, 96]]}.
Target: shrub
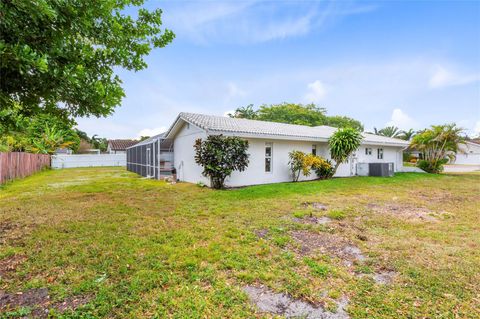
{"points": [[434, 167], [324, 169], [221, 155]]}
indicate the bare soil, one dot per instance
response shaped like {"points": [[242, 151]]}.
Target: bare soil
{"points": [[328, 243], [315, 206], [10, 264], [408, 212], [261, 233], [312, 220], [38, 299], [270, 302]]}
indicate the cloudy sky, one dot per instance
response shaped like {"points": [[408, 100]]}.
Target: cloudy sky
{"points": [[410, 63]]}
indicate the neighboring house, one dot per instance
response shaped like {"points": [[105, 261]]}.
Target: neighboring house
{"points": [[469, 154], [119, 146], [269, 145]]}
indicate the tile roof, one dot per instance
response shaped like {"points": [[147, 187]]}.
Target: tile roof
{"points": [[121, 145], [222, 124]]}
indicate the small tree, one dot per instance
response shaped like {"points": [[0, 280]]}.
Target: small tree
{"points": [[219, 156], [342, 144], [437, 144], [301, 162]]}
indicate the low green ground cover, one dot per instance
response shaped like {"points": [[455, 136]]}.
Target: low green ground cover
{"points": [[136, 248]]}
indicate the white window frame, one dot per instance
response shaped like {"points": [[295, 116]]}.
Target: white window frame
{"points": [[380, 153], [368, 151], [268, 144]]}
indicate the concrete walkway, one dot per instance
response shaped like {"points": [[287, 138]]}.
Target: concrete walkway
{"points": [[457, 168]]}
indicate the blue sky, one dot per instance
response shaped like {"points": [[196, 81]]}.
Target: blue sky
{"points": [[407, 63]]}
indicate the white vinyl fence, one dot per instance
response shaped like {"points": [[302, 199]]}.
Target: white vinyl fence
{"points": [[88, 160]]}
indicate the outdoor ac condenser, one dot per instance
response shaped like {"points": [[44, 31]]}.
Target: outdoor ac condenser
{"points": [[381, 169]]}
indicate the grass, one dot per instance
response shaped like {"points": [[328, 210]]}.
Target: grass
{"points": [[147, 249]]}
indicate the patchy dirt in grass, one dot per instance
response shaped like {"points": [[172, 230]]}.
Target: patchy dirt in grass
{"points": [[38, 299], [10, 264], [384, 277], [328, 243], [315, 206], [270, 302], [408, 212], [312, 220], [261, 233]]}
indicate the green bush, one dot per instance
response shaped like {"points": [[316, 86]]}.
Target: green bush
{"points": [[324, 169], [434, 167]]}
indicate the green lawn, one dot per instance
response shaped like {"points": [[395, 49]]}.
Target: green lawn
{"points": [[136, 248]]}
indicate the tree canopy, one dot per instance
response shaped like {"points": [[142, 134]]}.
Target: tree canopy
{"points": [[61, 56], [342, 144], [293, 113]]}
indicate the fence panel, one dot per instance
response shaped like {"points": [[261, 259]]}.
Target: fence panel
{"points": [[88, 160], [18, 165]]}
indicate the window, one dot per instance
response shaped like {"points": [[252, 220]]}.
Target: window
{"points": [[314, 149], [268, 157], [188, 126], [380, 153], [368, 151]]}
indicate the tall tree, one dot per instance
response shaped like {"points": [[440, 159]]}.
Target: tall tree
{"points": [[293, 113], [407, 135], [61, 56]]}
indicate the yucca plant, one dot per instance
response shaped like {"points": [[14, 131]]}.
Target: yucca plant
{"points": [[342, 144]]}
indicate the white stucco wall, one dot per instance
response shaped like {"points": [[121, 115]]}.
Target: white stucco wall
{"points": [[469, 154], [184, 154]]}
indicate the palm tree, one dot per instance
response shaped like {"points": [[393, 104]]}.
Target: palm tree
{"points": [[407, 135], [389, 131], [245, 112]]}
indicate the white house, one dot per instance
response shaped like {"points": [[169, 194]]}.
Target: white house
{"points": [[269, 145], [469, 154]]}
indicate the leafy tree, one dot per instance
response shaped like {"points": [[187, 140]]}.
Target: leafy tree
{"points": [[438, 144], [220, 156], [51, 139], [60, 56], [342, 144], [293, 113], [389, 131]]}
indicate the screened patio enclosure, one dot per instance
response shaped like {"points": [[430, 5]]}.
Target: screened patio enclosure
{"points": [[152, 158]]}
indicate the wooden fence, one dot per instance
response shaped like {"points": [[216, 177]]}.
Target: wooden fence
{"points": [[18, 165]]}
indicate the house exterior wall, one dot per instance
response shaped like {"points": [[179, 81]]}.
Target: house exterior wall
{"points": [[469, 154], [184, 154]]}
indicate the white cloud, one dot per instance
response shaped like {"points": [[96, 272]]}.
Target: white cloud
{"points": [[442, 77], [233, 91], [151, 131], [316, 92], [254, 21], [476, 129], [402, 120]]}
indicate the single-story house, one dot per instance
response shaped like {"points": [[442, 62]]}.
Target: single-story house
{"points": [[119, 146], [469, 154], [269, 145]]}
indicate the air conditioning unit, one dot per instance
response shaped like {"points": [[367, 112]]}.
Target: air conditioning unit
{"points": [[362, 169], [381, 169]]}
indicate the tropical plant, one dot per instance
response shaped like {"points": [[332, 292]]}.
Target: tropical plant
{"points": [[220, 156], [389, 131], [324, 169], [342, 144], [62, 55], [407, 135], [438, 144], [245, 112]]}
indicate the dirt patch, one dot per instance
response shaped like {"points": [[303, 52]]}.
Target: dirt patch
{"points": [[328, 243], [384, 277], [268, 301], [38, 299], [312, 220], [261, 233], [12, 233], [408, 212], [315, 206], [10, 264]]}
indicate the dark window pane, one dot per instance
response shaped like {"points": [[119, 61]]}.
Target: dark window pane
{"points": [[268, 164], [268, 151]]}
